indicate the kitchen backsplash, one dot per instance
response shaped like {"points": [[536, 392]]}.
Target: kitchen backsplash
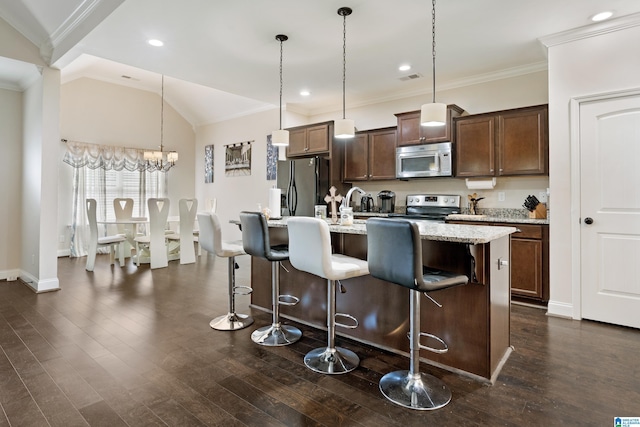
{"points": [[514, 189]]}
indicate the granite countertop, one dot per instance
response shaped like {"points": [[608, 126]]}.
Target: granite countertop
{"points": [[458, 233], [489, 218]]}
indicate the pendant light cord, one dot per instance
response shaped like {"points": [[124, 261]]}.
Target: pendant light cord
{"points": [[433, 46], [162, 115], [281, 41], [344, 62]]}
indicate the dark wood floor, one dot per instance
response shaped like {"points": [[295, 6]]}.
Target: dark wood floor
{"points": [[133, 347]]}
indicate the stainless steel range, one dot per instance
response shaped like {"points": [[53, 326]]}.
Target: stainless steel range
{"points": [[430, 207]]}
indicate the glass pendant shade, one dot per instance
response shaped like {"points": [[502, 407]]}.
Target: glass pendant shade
{"points": [[344, 128], [280, 138], [172, 156], [433, 114]]}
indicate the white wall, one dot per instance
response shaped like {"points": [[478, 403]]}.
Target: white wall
{"points": [[10, 175], [97, 112], [235, 193], [605, 62]]}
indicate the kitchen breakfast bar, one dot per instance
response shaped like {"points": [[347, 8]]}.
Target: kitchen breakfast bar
{"points": [[473, 319]]}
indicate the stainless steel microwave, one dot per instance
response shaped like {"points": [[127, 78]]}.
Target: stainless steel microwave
{"points": [[423, 161]]}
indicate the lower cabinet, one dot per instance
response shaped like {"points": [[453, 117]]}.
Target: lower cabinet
{"points": [[529, 261]]}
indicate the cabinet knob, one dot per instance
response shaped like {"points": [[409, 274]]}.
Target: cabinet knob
{"points": [[306, 148], [490, 170], [501, 169]]}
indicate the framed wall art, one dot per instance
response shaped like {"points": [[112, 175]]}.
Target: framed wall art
{"points": [[237, 160]]}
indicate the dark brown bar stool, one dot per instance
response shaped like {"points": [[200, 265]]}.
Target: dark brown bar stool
{"points": [[310, 251], [395, 255], [255, 240]]}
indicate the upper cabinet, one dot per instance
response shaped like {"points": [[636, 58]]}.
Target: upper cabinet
{"points": [[371, 155], [410, 132], [503, 143], [310, 140]]}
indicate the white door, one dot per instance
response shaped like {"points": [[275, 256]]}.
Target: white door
{"points": [[610, 210]]}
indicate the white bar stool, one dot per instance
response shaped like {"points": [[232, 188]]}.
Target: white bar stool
{"points": [[394, 252], [210, 239], [310, 251], [256, 242]]}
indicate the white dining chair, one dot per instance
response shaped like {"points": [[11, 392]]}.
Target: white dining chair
{"points": [[123, 210], [155, 241], [188, 209], [114, 242]]}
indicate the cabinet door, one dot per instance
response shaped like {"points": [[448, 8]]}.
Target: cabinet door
{"points": [[522, 142], [382, 154], [318, 139], [356, 155], [409, 128], [297, 142], [526, 268], [475, 146]]}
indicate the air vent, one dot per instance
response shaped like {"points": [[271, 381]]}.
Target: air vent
{"points": [[124, 76], [411, 77]]}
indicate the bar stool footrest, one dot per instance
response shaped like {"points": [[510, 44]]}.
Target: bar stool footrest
{"points": [[231, 322], [415, 391], [344, 325], [242, 290], [288, 299], [441, 350]]}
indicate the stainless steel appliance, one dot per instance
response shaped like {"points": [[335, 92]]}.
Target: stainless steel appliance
{"points": [[367, 204], [387, 201], [423, 161], [304, 184], [430, 207]]}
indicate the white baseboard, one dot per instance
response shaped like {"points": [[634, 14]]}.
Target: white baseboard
{"points": [[63, 253], [560, 309], [38, 286], [9, 275]]}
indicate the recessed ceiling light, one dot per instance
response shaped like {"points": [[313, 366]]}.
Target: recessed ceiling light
{"points": [[601, 16], [305, 93], [404, 67], [156, 42]]}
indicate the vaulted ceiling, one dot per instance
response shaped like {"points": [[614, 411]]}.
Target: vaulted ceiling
{"points": [[221, 57]]}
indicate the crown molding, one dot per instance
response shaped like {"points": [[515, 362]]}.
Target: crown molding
{"points": [[593, 30]]}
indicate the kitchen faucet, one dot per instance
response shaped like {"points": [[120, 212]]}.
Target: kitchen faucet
{"points": [[346, 202]]}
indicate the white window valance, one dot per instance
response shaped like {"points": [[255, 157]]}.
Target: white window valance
{"points": [[94, 156]]}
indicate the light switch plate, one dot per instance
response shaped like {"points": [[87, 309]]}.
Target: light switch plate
{"points": [[501, 196]]}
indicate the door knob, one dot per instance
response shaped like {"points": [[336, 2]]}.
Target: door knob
{"points": [[588, 220]]}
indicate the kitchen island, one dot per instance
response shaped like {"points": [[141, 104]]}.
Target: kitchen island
{"points": [[474, 319]]}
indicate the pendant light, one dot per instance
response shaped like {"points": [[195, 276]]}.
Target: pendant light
{"points": [[344, 128], [280, 137], [161, 160], [435, 113]]}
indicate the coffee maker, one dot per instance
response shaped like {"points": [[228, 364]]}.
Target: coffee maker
{"points": [[387, 201]]}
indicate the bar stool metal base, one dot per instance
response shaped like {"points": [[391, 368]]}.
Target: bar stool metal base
{"points": [[337, 360], [419, 391], [231, 322], [276, 335]]}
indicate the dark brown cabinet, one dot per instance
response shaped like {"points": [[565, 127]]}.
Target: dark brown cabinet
{"points": [[370, 155], [529, 261], [309, 140], [411, 133], [503, 143]]}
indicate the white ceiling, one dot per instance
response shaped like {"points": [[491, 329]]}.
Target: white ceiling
{"points": [[221, 57]]}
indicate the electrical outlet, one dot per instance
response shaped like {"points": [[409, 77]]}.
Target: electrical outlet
{"points": [[501, 196], [542, 197]]}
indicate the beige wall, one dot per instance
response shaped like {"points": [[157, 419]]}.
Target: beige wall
{"points": [[601, 63], [103, 113], [10, 175]]}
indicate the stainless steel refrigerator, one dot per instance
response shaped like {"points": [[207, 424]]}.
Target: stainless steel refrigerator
{"points": [[304, 184]]}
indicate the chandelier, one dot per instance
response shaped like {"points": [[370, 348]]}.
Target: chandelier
{"points": [[161, 160]]}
